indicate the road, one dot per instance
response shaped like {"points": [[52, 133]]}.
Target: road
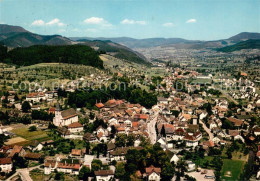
{"points": [[207, 130], [151, 128], [24, 173]]}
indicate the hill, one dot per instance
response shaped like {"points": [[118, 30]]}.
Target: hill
{"points": [[73, 54], [4, 29], [116, 50], [16, 36], [245, 36], [248, 44]]}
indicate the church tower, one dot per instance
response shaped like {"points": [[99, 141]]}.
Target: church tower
{"points": [[57, 118]]}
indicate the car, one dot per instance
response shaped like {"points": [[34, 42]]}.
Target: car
{"points": [[209, 177]]}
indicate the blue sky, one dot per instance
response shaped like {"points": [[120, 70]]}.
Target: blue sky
{"points": [[190, 19]]}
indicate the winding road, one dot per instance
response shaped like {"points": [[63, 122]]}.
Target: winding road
{"points": [[207, 130], [151, 128]]}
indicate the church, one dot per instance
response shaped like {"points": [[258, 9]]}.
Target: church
{"points": [[65, 118]]}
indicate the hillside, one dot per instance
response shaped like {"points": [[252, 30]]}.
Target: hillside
{"points": [[4, 29], [15, 36], [245, 36], [248, 44], [116, 50], [73, 54]]}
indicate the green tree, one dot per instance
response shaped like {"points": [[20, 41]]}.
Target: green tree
{"points": [[121, 140], [26, 106], [163, 134], [84, 173], [96, 165], [32, 128], [120, 172]]}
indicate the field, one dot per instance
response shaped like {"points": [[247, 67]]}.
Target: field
{"points": [[232, 169], [15, 140], [30, 136]]}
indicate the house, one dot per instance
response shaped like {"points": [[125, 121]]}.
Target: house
{"points": [[190, 166], [34, 156], [256, 131], [50, 166], [6, 165], [153, 173], [75, 127], [88, 137], [76, 153], [65, 118], [118, 154], [174, 159], [71, 166], [104, 175], [17, 150]]}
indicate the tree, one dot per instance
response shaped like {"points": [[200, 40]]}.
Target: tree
{"points": [[130, 140], [120, 172], [96, 165], [32, 128], [163, 134], [26, 106], [59, 176], [121, 140], [84, 173]]}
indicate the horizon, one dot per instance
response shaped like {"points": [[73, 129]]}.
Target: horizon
{"points": [[128, 36], [191, 20]]}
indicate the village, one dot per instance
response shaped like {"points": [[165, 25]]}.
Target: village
{"points": [[47, 134]]}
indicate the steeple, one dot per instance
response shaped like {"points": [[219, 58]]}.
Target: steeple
{"points": [[57, 106]]}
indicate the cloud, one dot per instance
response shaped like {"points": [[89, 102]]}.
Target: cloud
{"points": [[131, 22], [97, 21], [38, 23], [53, 22], [191, 21], [168, 24]]}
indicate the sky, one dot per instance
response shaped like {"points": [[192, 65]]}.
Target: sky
{"points": [[189, 19]]}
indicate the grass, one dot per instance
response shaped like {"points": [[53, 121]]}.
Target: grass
{"points": [[34, 135], [234, 166]]}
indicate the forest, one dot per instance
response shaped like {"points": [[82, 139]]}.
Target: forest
{"points": [[73, 54]]}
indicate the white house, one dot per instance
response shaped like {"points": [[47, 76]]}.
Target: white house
{"points": [[153, 173], [104, 175], [174, 159], [6, 165], [75, 127]]}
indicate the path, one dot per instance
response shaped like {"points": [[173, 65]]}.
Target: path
{"points": [[207, 130], [151, 128], [24, 173]]}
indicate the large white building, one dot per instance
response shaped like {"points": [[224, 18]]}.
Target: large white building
{"points": [[65, 118]]}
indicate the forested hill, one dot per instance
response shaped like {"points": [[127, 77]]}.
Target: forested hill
{"points": [[73, 54], [117, 50], [248, 44]]}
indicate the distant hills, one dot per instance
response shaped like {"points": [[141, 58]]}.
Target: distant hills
{"points": [[245, 36], [248, 44], [15, 36], [177, 42]]}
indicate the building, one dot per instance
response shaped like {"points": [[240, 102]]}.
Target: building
{"points": [[153, 173], [75, 127], [65, 118], [6, 165], [104, 175]]}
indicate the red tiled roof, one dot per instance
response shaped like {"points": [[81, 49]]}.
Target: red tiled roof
{"points": [[69, 166], [76, 152], [75, 125], [104, 172], [99, 105], [4, 161], [152, 169]]}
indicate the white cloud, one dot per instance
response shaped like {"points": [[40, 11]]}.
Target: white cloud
{"points": [[168, 24], [53, 22], [97, 21], [131, 22], [191, 21], [38, 23]]}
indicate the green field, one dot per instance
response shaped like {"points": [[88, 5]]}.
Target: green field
{"points": [[34, 135], [235, 167]]}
